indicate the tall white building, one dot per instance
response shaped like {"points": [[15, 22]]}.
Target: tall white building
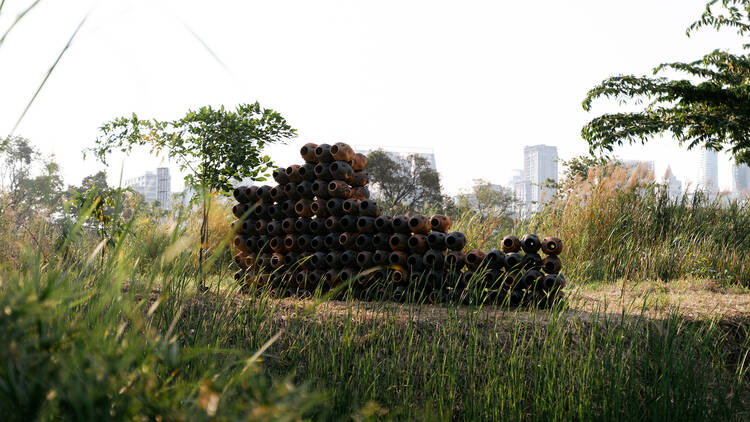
{"points": [[708, 170], [741, 180], [674, 186], [539, 166], [153, 186]]}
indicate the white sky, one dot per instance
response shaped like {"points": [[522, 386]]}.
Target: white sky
{"points": [[474, 80]]}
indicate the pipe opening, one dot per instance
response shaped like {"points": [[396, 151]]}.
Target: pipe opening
{"points": [[434, 222], [332, 186], [414, 222], [319, 150], [334, 149], [299, 207], [289, 171], [303, 151], [334, 166], [508, 242]]}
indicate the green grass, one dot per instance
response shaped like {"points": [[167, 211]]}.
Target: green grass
{"points": [[124, 335]]}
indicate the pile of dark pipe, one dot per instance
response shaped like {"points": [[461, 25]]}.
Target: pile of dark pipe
{"points": [[318, 229]]}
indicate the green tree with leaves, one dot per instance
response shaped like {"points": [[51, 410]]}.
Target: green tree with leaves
{"points": [[403, 185], [216, 147], [710, 110], [487, 199]]}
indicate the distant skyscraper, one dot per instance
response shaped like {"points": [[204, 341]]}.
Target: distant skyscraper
{"points": [[153, 186], [741, 179], [708, 170], [539, 166], [638, 165], [674, 186]]}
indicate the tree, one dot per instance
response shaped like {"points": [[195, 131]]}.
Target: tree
{"points": [[403, 185], [488, 200], [215, 146], [713, 112], [18, 157]]}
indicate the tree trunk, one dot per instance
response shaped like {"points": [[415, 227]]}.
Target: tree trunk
{"points": [[204, 235]]}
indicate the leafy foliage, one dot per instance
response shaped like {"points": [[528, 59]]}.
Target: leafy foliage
{"points": [[406, 185], [712, 113], [215, 146]]}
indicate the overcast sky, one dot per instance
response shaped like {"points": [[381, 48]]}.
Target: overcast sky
{"points": [[473, 80]]}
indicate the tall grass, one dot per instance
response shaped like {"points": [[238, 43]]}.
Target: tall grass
{"points": [[620, 224], [128, 338]]}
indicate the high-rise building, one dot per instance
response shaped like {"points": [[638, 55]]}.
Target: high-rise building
{"points": [[539, 167], [708, 170], [741, 179], [153, 186], [674, 186], [647, 167]]}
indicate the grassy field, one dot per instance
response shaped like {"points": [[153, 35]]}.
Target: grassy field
{"points": [[118, 331]]}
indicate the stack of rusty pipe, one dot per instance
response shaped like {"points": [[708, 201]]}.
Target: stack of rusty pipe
{"points": [[318, 228], [309, 228]]}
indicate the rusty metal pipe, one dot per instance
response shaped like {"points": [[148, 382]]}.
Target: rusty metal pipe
{"points": [[277, 261], [400, 224], [290, 190], [474, 258], [261, 226], [530, 278], [248, 227], [415, 262], [364, 259], [440, 223], [368, 208], [291, 243], [333, 259], [317, 243], [240, 194], [287, 208], [530, 243], [331, 241], [317, 226], [308, 152], [399, 242], [331, 277], [434, 259], [495, 259], [318, 208], [436, 240], [348, 223], [277, 244], [304, 189], [323, 153], [335, 207], [455, 241], [307, 172], [291, 259], [278, 194], [510, 244], [323, 172], [302, 208], [279, 175], [381, 241], [276, 212], [363, 242], [359, 162], [400, 277], [551, 264], [513, 260], [455, 260], [366, 225], [273, 228], [288, 225], [292, 172], [341, 171], [320, 189], [380, 257], [342, 151], [304, 242], [419, 224], [383, 224], [398, 258], [361, 192], [532, 260], [240, 243], [346, 240], [318, 260], [418, 243], [348, 258], [552, 246], [333, 224], [239, 210], [350, 206], [339, 189], [359, 178]]}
